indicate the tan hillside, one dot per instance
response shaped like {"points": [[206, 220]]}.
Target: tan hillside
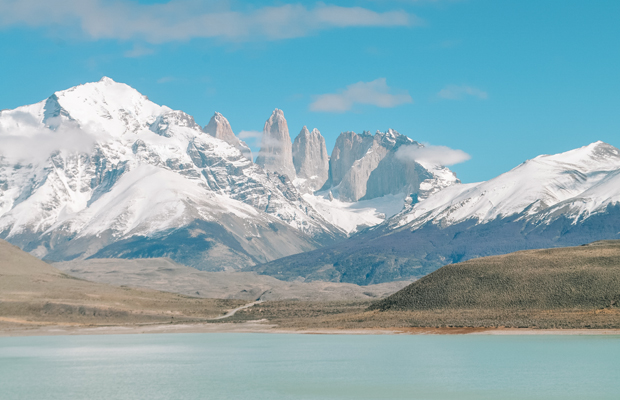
{"points": [[33, 292]]}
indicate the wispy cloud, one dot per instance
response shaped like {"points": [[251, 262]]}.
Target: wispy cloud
{"points": [[376, 93], [182, 20], [139, 51], [250, 135], [252, 139], [435, 155], [35, 142], [455, 92]]}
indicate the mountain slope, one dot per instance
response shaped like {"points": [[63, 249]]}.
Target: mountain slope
{"points": [[551, 201], [100, 170]]}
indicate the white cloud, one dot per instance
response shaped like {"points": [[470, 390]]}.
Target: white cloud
{"points": [[252, 139], [376, 93], [454, 92], [36, 143], [181, 20], [435, 155], [250, 135]]}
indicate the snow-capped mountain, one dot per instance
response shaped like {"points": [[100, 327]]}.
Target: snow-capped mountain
{"points": [[574, 184], [364, 182], [565, 199], [99, 170]]}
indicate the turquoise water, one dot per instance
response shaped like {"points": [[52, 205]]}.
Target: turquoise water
{"points": [[269, 366]]}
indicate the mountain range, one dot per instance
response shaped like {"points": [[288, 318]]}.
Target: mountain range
{"points": [[100, 171], [565, 199]]}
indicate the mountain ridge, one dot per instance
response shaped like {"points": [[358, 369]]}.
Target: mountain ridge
{"points": [[98, 170]]}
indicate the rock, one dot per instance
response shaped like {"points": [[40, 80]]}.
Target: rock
{"points": [[220, 128], [349, 148], [311, 160], [365, 166], [276, 153]]}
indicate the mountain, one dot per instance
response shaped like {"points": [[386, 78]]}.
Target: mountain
{"points": [[364, 167], [98, 170], [369, 180], [311, 160], [276, 152], [220, 128], [583, 277], [550, 201]]}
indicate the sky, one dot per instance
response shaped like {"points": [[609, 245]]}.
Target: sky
{"points": [[489, 83]]}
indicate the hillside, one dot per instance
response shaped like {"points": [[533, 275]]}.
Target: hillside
{"points": [[33, 293], [584, 277]]}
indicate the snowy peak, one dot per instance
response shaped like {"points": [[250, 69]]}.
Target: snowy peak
{"points": [[276, 154], [116, 168], [527, 190], [595, 156], [106, 106], [220, 128]]}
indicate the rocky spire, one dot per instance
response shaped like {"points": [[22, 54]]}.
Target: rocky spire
{"points": [[276, 153], [365, 166], [349, 148], [310, 159], [219, 127]]}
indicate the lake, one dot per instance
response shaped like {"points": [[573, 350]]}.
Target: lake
{"points": [[289, 366]]}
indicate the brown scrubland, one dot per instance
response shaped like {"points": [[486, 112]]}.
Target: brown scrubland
{"points": [[563, 288]]}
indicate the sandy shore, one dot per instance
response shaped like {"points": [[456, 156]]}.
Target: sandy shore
{"points": [[264, 327]]}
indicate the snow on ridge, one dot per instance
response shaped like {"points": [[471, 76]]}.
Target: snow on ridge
{"points": [[536, 185]]}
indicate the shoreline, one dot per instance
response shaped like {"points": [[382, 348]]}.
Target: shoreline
{"points": [[261, 326]]}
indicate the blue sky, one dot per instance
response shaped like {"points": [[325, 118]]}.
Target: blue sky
{"points": [[503, 81]]}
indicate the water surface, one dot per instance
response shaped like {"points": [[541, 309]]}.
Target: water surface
{"points": [[273, 367]]}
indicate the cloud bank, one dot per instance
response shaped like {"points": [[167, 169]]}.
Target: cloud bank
{"points": [[454, 92], [182, 20], [36, 143], [434, 155], [376, 93]]}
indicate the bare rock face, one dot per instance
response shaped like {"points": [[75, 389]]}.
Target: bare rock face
{"points": [[220, 128], [365, 167], [311, 160], [276, 153], [349, 148]]}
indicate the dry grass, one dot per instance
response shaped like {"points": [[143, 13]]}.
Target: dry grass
{"points": [[32, 292]]}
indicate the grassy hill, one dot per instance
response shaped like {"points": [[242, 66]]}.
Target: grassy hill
{"points": [[584, 277]]}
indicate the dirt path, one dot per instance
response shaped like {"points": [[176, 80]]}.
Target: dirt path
{"points": [[232, 312]]}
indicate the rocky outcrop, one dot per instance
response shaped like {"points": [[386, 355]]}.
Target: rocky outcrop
{"points": [[365, 166], [349, 148], [311, 160], [220, 128], [276, 153]]}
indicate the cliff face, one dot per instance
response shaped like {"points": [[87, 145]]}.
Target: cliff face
{"points": [[349, 148], [276, 153], [220, 128], [311, 160], [365, 166]]}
